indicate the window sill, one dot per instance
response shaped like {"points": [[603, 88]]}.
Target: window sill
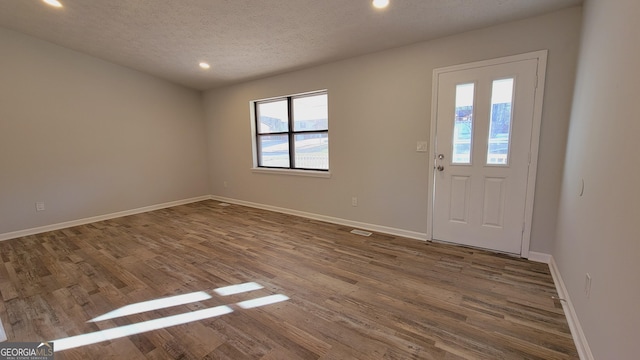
{"points": [[308, 173]]}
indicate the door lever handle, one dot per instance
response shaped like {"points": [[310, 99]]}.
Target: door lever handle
{"points": [[440, 168]]}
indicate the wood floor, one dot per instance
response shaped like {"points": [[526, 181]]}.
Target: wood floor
{"points": [[349, 296]]}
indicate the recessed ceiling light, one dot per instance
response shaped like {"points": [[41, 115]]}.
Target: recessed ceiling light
{"points": [[380, 4], [203, 65], [54, 3]]}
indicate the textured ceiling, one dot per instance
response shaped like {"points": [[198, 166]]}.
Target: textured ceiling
{"points": [[248, 39]]}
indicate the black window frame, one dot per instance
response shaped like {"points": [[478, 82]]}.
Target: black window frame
{"points": [[291, 133]]}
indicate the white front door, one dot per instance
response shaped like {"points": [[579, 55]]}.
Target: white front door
{"points": [[483, 144]]}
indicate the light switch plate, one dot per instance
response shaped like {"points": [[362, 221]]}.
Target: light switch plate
{"points": [[422, 146]]}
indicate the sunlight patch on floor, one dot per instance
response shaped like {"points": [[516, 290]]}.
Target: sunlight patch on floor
{"points": [[154, 305], [167, 321], [237, 289], [3, 335], [137, 328], [267, 300]]}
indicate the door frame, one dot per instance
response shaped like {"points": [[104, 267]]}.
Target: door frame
{"points": [[541, 57]]}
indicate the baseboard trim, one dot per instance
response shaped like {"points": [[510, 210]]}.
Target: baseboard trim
{"points": [[539, 257], [68, 224], [355, 224], [584, 351]]}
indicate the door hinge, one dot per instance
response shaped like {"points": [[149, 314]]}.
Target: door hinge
{"points": [[523, 226]]}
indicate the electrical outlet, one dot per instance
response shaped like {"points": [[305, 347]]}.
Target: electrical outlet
{"points": [[354, 201], [225, 184], [587, 285], [40, 206]]}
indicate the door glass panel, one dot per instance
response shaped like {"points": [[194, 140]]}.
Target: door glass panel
{"points": [[500, 125], [463, 124]]}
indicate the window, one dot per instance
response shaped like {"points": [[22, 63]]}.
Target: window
{"points": [[292, 132]]}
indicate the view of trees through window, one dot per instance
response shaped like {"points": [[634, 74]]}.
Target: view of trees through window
{"points": [[293, 132]]}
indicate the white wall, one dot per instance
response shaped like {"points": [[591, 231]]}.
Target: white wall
{"points": [[379, 106], [90, 138], [598, 231]]}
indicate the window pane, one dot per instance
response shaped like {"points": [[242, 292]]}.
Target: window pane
{"points": [[463, 124], [274, 151], [312, 151], [310, 113], [273, 117], [500, 126]]}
